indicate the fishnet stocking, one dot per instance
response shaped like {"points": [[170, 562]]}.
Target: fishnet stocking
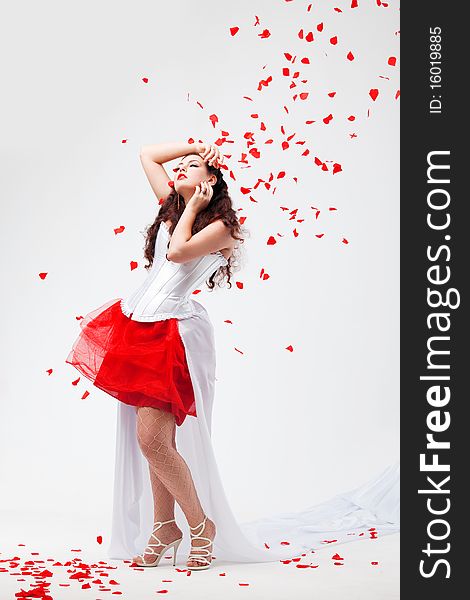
{"points": [[170, 477]]}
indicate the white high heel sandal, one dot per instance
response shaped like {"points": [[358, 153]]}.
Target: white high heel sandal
{"points": [[173, 545], [204, 547]]}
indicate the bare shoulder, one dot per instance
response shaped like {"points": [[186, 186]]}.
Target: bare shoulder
{"points": [[231, 242]]}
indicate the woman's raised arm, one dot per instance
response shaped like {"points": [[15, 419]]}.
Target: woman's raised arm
{"points": [[166, 151], [152, 156]]}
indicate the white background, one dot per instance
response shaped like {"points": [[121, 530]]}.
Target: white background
{"points": [[290, 429]]}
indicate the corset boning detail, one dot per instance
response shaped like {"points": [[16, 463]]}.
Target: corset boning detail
{"points": [[165, 292]]}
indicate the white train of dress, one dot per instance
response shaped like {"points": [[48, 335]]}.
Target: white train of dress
{"points": [[374, 504]]}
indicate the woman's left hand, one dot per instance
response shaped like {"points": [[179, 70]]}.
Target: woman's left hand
{"points": [[201, 197]]}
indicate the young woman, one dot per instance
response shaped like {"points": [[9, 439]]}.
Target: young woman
{"points": [[155, 352], [132, 348]]}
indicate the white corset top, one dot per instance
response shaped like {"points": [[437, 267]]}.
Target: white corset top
{"points": [[165, 292]]}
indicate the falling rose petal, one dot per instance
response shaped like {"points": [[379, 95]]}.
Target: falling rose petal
{"points": [[75, 381], [238, 350], [337, 557], [99, 539], [85, 395], [336, 168], [243, 584], [339, 564], [354, 4], [245, 190], [43, 275], [319, 235], [351, 118], [334, 40], [197, 291], [303, 566], [234, 30], [290, 348], [345, 241], [332, 208], [303, 95], [337, 9], [213, 119], [374, 562], [171, 184], [352, 135], [123, 141], [350, 56], [162, 591], [320, 27], [133, 265], [264, 34], [222, 574], [373, 93], [285, 543], [327, 119], [145, 79], [266, 545], [332, 94], [239, 285], [309, 37], [271, 241], [49, 371], [397, 94], [119, 229], [392, 61]]}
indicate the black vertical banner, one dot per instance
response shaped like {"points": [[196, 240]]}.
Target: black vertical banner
{"points": [[434, 321]]}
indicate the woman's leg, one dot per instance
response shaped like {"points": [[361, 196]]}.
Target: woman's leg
{"points": [[156, 435], [163, 510]]}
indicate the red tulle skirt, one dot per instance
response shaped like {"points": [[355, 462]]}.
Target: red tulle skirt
{"points": [[139, 363]]}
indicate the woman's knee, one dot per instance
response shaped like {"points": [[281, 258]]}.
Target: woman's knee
{"points": [[154, 430]]}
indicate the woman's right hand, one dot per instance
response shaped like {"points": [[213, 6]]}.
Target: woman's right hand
{"points": [[211, 154]]}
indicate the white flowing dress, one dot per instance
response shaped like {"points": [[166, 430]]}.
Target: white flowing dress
{"points": [[165, 294]]}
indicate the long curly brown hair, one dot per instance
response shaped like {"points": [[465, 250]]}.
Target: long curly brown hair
{"points": [[220, 207]]}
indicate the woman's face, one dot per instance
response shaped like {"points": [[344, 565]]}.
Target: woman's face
{"points": [[190, 171]]}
